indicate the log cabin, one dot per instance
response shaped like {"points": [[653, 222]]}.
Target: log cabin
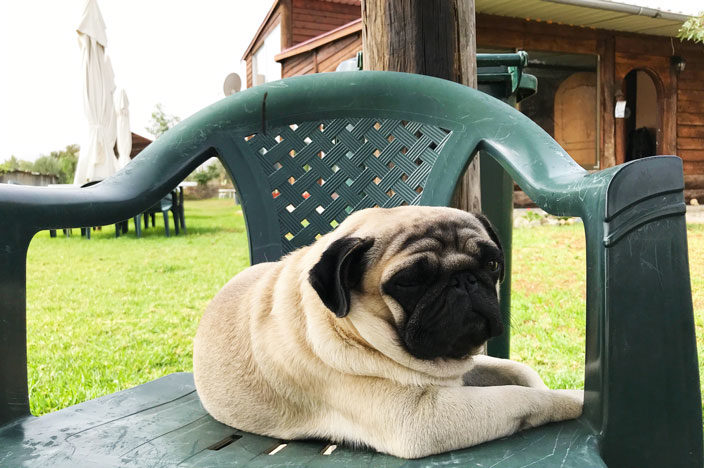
{"points": [[615, 83]]}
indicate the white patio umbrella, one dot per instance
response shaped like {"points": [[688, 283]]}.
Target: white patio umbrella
{"points": [[124, 135], [97, 158]]}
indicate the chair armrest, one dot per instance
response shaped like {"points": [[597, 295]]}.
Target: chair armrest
{"points": [[642, 366], [642, 390]]}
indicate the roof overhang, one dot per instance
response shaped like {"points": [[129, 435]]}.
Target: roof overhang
{"points": [[599, 14]]}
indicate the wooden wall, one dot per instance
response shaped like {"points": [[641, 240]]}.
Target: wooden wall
{"points": [[690, 113], [325, 58], [311, 18], [680, 95]]}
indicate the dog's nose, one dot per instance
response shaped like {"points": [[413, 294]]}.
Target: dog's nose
{"points": [[464, 280]]}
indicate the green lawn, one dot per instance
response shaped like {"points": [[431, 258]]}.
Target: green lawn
{"points": [[108, 314]]}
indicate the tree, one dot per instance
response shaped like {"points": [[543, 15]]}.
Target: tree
{"points": [[693, 29], [206, 174], [60, 163], [68, 160], [161, 122], [11, 164], [27, 166], [47, 165], [428, 37]]}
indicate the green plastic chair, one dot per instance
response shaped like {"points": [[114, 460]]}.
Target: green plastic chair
{"points": [[304, 153]]}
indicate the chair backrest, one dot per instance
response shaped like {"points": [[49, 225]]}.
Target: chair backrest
{"points": [[321, 171], [319, 148]]}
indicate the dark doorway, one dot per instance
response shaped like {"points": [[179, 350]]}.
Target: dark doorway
{"points": [[642, 118]]}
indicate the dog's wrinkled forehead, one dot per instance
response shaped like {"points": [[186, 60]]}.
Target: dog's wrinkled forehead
{"points": [[411, 229], [457, 234]]}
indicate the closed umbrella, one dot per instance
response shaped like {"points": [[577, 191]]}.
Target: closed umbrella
{"points": [[97, 158], [124, 135]]}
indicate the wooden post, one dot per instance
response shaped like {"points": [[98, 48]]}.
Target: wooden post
{"points": [[428, 37], [286, 24]]}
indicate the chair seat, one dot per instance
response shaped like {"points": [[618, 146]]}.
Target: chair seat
{"points": [[162, 423]]}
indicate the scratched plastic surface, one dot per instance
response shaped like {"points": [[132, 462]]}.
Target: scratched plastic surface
{"points": [[642, 400], [163, 424]]}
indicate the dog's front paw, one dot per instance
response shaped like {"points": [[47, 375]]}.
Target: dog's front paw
{"points": [[568, 404], [556, 405]]}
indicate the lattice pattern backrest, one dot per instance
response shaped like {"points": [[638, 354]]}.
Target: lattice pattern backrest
{"points": [[320, 172]]}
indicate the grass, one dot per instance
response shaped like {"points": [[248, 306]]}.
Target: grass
{"points": [[548, 302], [108, 314]]}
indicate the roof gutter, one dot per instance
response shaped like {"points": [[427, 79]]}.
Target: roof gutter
{"points": [[624, 8]]}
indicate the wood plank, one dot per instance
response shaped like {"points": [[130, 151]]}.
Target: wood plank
{"points": [[695, 155], [309, 33], [669, 112], [690, 143], [298, 38], [330, 14], [322, 21], [535, 27], [695, 181], [331, 63], [334, 47], [333, 35], [691, 131], [690, 84], [306, 68], [508, 38], [576, 45], [324, 17], [291, 66], [607, 151], [643, 61], [286, 24], [689, 106], [692, 74], [305, 64], [691, 94], [645, 45], [249, 72], [498, 38], [686, 118], [318, 5], [693, 167], [691, 79], [313, 25]]}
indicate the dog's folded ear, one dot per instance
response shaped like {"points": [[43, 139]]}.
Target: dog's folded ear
{"points": [[339, 270]]}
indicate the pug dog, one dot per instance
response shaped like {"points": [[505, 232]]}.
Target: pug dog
{"points": [[370, 336]]}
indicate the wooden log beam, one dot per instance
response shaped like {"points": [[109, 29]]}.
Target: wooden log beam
{"points": [[428, 37]]}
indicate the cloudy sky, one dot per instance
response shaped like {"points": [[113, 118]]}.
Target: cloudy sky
{"points": [[174, 52]]}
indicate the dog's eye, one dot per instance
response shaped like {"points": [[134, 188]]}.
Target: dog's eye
{"points": [[493, 266]]}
